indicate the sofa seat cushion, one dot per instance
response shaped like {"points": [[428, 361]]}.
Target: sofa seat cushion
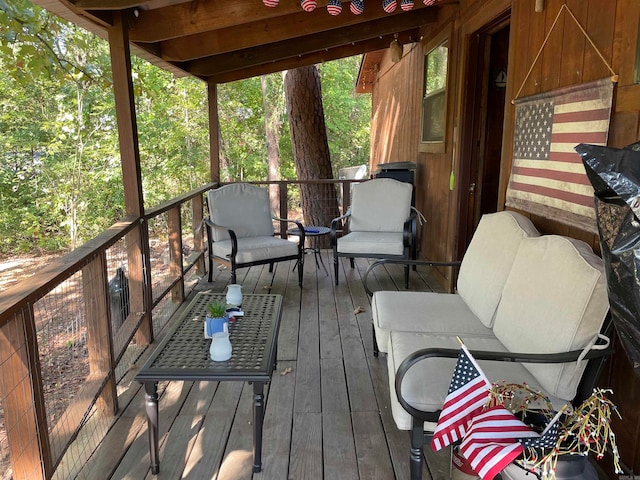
{"points": [[371, 243], [487, 262], [256, 249], [426, 384], [555, 300], [428, 312]]}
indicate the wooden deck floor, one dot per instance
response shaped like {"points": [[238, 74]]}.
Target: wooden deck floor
{"points": [[327, 407]]}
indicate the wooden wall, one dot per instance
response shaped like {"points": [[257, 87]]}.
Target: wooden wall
{"points": [[568, 58]]}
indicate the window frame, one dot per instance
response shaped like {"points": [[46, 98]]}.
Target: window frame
{"points": [[435, 145]]}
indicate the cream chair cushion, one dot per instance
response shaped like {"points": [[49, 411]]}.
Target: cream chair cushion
{"points": [[372, 210], [488, 259], [555, 300], [383, 243], [438, 313], [426, 384], [242, 208], [256, 249]]}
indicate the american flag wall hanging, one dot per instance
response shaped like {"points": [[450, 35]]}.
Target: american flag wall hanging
{"points": [[547, 175]]}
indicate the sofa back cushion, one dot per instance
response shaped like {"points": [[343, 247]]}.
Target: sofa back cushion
{"points": [[488, 259], [555, 300], [242, 208], [380, 205]]}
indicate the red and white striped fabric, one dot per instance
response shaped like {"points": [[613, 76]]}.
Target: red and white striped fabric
{"points": [[406, 5], [334, 7], [490, 442], [389, 6], [271, 3], [309, 5], [547, 176], [468, 394]]}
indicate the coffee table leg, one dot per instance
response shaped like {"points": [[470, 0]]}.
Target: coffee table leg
{"points": [[151, 405], [258, 419]]}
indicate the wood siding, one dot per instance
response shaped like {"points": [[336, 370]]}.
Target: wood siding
{"points": [[568, 58]]}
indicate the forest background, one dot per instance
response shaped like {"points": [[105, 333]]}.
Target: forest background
{"points": [[60, 173]]}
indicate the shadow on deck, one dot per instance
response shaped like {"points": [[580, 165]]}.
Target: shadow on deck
{"points": [[327, 407]]}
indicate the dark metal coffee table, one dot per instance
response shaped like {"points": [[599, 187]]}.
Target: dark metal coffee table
{"points": [[184, 355]]}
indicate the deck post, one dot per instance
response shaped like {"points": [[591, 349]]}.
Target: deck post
{"points": [[22, 398], [198, 232], [174, 224], [214, 131], [99, 331], [137, 241]]}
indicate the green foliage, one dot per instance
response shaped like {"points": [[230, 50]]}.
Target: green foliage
{"points": [[217, 309], [60, 172], [347, 115]]}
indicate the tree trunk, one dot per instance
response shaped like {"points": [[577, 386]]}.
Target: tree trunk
{"points": [[310, 147], [271, 127]]}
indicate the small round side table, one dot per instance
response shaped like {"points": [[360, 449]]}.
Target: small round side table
{"points": [[313, 232]]}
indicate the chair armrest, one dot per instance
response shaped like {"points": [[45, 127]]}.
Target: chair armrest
{"points": [[232, 235], [336, 226], [427, 263], [418, 356], [298, 224]]}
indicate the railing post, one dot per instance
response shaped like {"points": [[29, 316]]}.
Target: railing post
{"points": [[284, 207], [22, 398], [346, 196], [174, 224], [197, 209], [141, 296], [99, 332]]}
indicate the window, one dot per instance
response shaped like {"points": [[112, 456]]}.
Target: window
{"points": [[434, 98]]}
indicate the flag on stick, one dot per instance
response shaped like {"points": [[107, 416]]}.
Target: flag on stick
{"points": [[468, 394], [490, 442], [549, 436]]}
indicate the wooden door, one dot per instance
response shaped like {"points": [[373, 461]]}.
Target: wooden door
{"points": [[483, 124]]}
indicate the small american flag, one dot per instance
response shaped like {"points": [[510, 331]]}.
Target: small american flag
{"points": [[468, 394], [547, 176], [406, 5], [490, 443], [309, 5], [357, 7], [548, 439], [334, 7], [389, 6]]}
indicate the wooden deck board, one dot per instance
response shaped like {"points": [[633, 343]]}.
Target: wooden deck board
{"points": [[327, 417]]}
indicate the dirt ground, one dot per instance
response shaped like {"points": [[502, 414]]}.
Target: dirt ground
{"points": [[16, 269]]}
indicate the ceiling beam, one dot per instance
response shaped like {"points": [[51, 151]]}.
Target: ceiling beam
{"points": [[124, 4], [276, 29], [202, 16], [311, 59], [310, 43]]}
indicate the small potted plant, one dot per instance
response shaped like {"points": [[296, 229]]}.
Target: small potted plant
{"points": [[216, 319], [216, 309]]}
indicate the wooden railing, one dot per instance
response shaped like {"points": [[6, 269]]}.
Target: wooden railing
{"points": [[70, 333]]}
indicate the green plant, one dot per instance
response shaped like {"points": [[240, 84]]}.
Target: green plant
{"points": [[217, 309]]}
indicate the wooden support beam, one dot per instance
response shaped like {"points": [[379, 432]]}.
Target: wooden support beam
{"points": [[310, 59], [214, 131], [286, 27], [311, 44], [137, 241], [198, 17]]}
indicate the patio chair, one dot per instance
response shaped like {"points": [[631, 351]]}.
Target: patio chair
{"points": [[379, 224], [240, 231]]}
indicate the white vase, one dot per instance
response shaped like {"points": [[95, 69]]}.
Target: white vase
{"points": [[220, 349], [234, 294]]}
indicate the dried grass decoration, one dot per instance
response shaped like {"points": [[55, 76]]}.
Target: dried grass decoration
{"points": [[583, 431]]}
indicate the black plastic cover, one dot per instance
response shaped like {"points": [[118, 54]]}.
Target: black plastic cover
{"points": [[615, 176]]}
